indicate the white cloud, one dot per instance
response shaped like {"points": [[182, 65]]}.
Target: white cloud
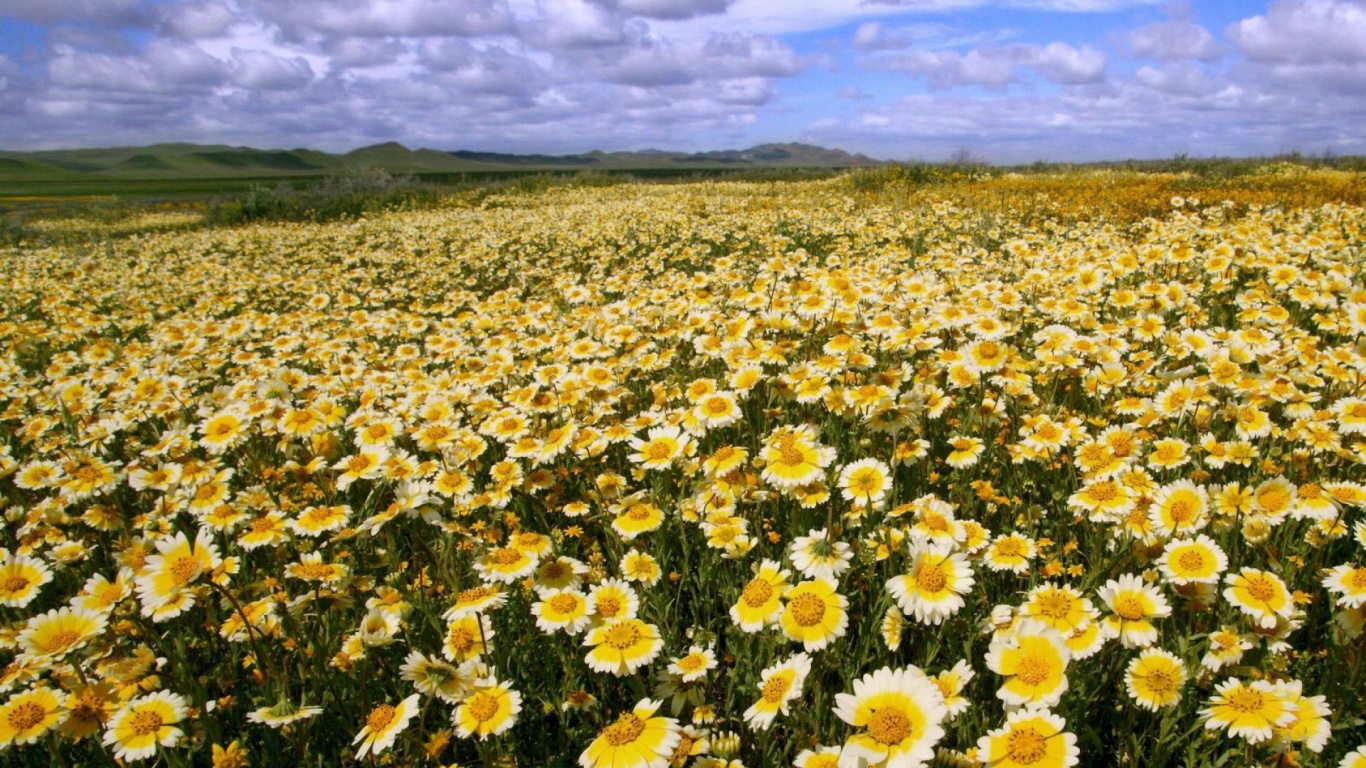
{"points": [[1304, 32], [380, 18], [199, 19], [1174, 39], [44, 11], [997, 66], [253, 69]]}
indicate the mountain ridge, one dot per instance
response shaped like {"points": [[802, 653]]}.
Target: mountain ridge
{"points": [[172, 160]]}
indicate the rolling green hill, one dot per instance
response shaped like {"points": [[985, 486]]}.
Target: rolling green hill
{"points": [[195, 161]]}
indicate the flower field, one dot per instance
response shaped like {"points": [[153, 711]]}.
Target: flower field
{"points": [[1010, 472]]}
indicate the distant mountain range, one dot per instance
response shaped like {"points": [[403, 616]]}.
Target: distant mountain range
{"points": [[184, 161]]}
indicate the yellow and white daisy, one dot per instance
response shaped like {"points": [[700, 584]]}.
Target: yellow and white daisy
{"points": [[621, 646], [1193, 561], [29, 715], [1259, 594], [779, 685], [636, 739], [490, 709], [899, 713], [1155, 678], [815, 614], [1031, 738], [1033, 660], [21, 577], [1252, 711], [384, 723], [1134, 604], [60, 631], [933, 589], [145, 723], [865, 482], [565, 610]]}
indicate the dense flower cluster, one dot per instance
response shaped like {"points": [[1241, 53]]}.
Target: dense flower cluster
{"points": [[691, 475]]}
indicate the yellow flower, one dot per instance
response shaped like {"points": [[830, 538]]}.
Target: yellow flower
{"points": [[778, 686], [27, 716], [1033, 659], [1031, 738], [792, 457], [60, 631], [232, 756], [1193, 561], [1155, 678], [900, 713], [163, 587], [1134, 603], [490, 709], [383, 725], [636, 739], [145, 723], [933, 589], [1259, 594], [20, 578], [760, 601], [467, 637], [562, 610], [815, 614], [637, 517], [621, 646], [1251, 710]]}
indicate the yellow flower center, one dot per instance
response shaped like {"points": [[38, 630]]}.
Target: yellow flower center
{"points": [[505, 556], [1245, 701], [659, 451], [1026, 746], [866, 481], [931, 577], [625, 730], [889, 726], [61, 640], [638, 513], [25, 715], [775, 688], [563, 604], [757, 592], [807, 610], [692, 662], [1033, 670], [222, 428], [1129, 607], [1261, 588], [472, 595], [1054, 605], [1357, 581], [607, 606], [717, 406], [1191, 560], [461, 640], [146, 722], [262, 524], [184, 568], [318, 571], [1182, 511], [482, 707], [1010, 548], [622, 636], [380, 718], [15, 583], [1103, 492], [1161, 681]]}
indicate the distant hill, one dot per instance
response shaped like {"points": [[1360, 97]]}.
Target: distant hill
{"points": [[190, 161]]}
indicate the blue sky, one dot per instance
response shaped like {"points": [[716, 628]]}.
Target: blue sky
{"points": [[1012, 81]]}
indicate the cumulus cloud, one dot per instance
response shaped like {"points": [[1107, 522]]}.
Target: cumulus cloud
{"points": [[1304, 32], [381, 18], [198, 20], [262, 70], [1174, 39], [669, 9], [46, 11], [997, 66]]}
